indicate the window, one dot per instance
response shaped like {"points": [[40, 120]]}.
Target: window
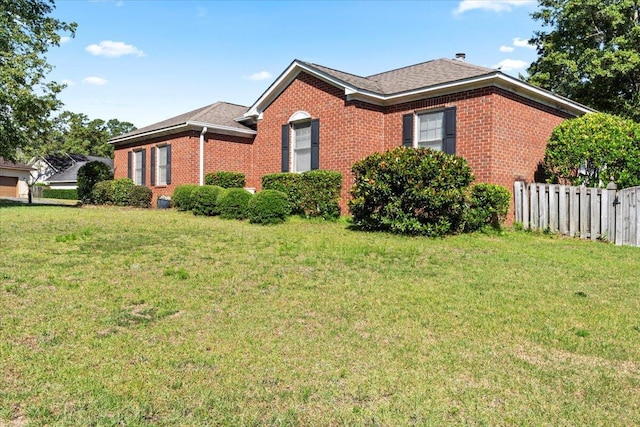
{"points": [[162, 165], [430, 130], [302, 147], [138, 167]]}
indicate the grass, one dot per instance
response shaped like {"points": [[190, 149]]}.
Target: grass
{"points": [[115, 316]]}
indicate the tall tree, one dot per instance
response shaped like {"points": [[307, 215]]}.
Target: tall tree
{"points": [[27, 31], [589, 51]]}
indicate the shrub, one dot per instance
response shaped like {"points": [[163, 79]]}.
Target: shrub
{"points": [[314, 193], [102, 193], [289, 184], [488, 206], [121, 188], [410, 191], [268, 207], [182, 197], [140, 196], [204, 200], [63, 194], [234, 203], [88, 175], [225, 179], [593, 148]]}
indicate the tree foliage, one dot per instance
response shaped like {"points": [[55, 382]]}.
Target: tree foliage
{"points": [[76, 133], [593, 148], [588, 51], [27, 31]]}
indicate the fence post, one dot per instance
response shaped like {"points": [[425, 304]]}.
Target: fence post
{"points": [[612, 200]]}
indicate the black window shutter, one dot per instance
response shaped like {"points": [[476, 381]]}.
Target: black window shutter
{"points": [[130, 165], [407, 130], [168, 164], [449, 142], [153, 166], [285, 148], [315, 144], [143, 157]]}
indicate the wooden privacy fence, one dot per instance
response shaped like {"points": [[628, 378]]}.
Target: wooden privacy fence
{"points": [[588, 213]]}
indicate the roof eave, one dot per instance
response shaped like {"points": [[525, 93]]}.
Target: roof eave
{"points": [[187, 126]]}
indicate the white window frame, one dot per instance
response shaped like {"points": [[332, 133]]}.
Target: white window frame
{"points": [[160, 182], [435, 144], [137, 172], [295, 149]]}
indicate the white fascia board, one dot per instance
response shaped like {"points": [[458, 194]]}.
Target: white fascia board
{"points": [[225, 130], [152, 133]]}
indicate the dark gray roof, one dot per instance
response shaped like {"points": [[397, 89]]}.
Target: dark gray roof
{"points": [[219, 113], [418, 76], [70, 174]]}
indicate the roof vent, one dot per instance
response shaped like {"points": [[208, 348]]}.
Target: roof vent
{"points": [[461, 56]]}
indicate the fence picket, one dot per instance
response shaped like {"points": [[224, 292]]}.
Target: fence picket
{"points": [[553, 208], [595, 214]]}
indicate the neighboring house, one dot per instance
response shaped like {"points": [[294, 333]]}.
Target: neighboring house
{"points": [[314, 117], [60, 171], [14, 178]]}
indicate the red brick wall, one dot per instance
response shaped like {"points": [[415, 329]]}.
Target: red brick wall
{"points": [[221, 153]]}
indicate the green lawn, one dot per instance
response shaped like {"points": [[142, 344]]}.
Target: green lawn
{"points": [[115, 316]]}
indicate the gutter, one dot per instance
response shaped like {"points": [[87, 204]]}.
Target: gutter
{"points": [[202, 133]]}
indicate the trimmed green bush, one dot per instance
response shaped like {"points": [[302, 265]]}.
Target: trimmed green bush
{"points": [[314, 193], [234, 203], [102, 193], [410, 191], [268, 207], [121, 188], [62, 194], [488, 206], [182, 197], [88, 175], [140, 196], [225, 179], [205, 200]]}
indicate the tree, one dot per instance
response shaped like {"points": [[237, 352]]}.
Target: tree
{"points": [[26, 99], [593, 148], [76, 133], [588, 52]]}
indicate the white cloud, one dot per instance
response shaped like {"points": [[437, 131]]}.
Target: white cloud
{"points": [[261, 75], [522, 43], [112, 49], [68, 82], [491, 5], [65, 39], [93, 80], [511, 65], [506, 49]]}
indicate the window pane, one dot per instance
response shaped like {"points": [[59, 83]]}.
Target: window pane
{"points": [[430, 130], [302, 134], [137, 156], [162, 165], [302, 160]]}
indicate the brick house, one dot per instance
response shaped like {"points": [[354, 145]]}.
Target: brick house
{"points": [[314, 117]]}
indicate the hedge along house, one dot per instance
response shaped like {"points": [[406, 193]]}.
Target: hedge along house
{"points": [[314, 117]]}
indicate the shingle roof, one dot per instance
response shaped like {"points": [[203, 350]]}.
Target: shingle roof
{"points": [[71, 173], [418, 76], [6, 164], [219, 113]]}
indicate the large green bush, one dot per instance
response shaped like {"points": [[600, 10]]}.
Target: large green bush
{"points": [[140, 196], [88, 175], [234, 203], [225, 179], [268, 207], [314, 193], [410, 191], [488, 206], [205, 200], [121, 189], [102, 193], [593, 148], [62, 194], [181, 198]]}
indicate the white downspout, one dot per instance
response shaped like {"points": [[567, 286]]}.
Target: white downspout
{"points": [[204, 130]]}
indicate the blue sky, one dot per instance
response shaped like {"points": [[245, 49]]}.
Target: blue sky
{"points": [[145, 61]]}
